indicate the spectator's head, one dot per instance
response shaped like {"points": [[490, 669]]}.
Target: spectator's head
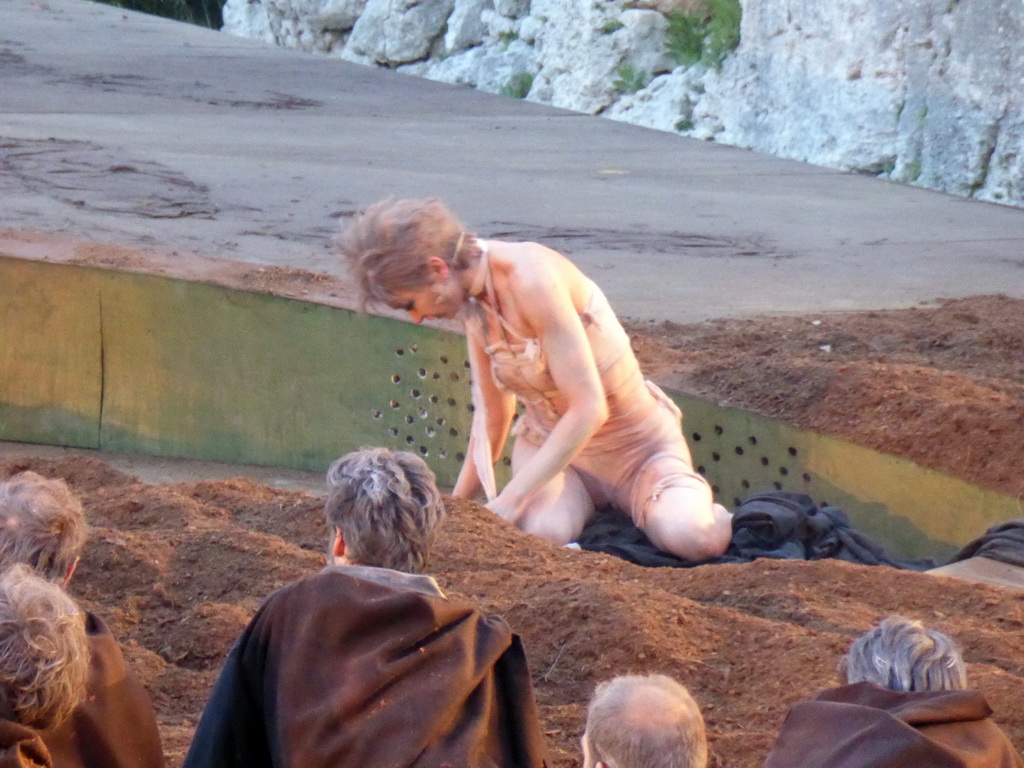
{"points": [[41, 525], [383, 509], [644, 722], [44, 659], [903, 655]]}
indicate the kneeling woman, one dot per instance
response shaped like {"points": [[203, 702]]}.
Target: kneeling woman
{"points": [[594, 431]]}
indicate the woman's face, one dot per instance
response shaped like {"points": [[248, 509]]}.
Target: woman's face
{"points": [[431, 301], [441, 297]]}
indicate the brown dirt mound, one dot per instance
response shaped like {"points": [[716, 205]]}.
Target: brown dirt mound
{"points": [[177, 570]]}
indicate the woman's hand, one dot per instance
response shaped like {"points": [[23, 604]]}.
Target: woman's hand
{"points": [[504, 508]]}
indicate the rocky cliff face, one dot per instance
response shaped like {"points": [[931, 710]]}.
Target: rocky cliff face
{"points": [[927, 92]]}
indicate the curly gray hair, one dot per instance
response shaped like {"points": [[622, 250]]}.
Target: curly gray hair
{"points": [[41, 524], [904, 655], [44, 659], [387, 506], [636, 721]]}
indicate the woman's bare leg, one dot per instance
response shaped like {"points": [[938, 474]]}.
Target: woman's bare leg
{"points": [[558, 511], [684, 520]]}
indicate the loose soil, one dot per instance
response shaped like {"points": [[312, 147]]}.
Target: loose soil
{"points": [[177, 569]]}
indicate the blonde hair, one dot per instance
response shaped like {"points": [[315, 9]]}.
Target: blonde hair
{"points": [[388, 245], [41, 524], [387, 505], [44, 659]]}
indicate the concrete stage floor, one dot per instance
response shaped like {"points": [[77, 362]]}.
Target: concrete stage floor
{"points": [[120, 127]]}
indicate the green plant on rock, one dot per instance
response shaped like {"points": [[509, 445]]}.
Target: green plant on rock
{"points": [[612, 26], [507, 38], [518, 86], [705, 36], [630, 79]]}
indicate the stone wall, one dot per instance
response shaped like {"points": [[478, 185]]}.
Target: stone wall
{"points": [[927, 92]]}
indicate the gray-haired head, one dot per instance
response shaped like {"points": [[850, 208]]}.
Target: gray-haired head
{"points": [[41, 525], [904, 655], [387, 506], [644, 722], [44, 659]]}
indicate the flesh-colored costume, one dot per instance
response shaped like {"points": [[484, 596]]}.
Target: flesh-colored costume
{"points": [[640, 450]]}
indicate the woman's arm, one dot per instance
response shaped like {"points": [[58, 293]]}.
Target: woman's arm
{"points": [[545, 302], [499, 407]]}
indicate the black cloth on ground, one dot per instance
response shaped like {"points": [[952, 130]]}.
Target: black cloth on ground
{"points": [[774, 524], [1003, 542]]}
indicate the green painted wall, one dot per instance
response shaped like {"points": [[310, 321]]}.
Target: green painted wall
{"points": [[138, 363]]}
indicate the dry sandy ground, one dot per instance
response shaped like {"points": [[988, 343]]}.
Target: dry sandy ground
{"points": [[178, 568]]}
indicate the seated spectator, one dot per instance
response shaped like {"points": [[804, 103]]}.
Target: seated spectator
{"points": [[644, 722], [905, 704], [42, 525], [44, 661], [367, 663]]}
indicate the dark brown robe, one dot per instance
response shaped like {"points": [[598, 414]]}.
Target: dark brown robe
{"points": [[21, 747], [369, 668], [865, 726], [115, 726]]}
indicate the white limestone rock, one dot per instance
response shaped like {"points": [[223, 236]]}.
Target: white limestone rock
{"points": [[466, 27], [395, 32], [488, 68]]}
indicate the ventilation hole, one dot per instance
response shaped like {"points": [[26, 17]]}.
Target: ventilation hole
{"points": [[701, 470], [399, 352], [434, 399], [716, 456], [393, 431], [778, 486], [715, 489], [414, 348], [806, 476], [443, 359], [440, 421], [696, 437], [435, 376], [453, 432], [506, 461], [718, 430], [422, 413], [408, 419], [409, 439], [823, 503], [394, 404], [424, 451], [753, 440], [431, 431], [792, 451], [451, 402], [739, 450], [764, 461], [465, 364], [414, 392], [422, 373], [460, 457], [453, 376], [735, 501], [783, 471], [442, 454], [378, 414], [471, 408], [395, 378], [745, 484]]}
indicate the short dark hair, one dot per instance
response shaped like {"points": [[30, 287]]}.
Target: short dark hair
{"points": [[387, 505]]}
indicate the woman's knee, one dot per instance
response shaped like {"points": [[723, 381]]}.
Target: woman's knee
{"points": [[690, 534]]}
